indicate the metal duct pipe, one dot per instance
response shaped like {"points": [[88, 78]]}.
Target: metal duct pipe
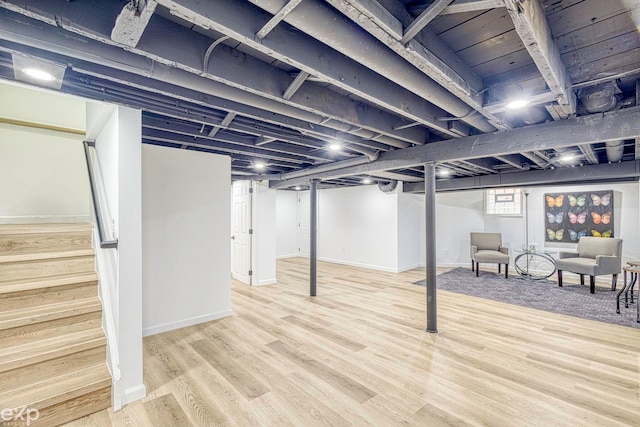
{"points": [[600, 98], [388, 187], [356, 161], [332, 28], [93, 51], [614, 150]]}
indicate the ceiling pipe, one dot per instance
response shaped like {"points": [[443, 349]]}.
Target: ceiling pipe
{"points": [[614, 150], [95, 51], [600, 98], [332, 28], [388, 187], [355, 161]]}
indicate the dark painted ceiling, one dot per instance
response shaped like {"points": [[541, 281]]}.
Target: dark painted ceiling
{"points": [[278, 81]]}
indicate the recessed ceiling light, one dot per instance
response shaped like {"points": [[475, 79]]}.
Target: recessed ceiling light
{"points": [[367, 181], [517, 103], [38, 74], [335, 146], [259, 165]]}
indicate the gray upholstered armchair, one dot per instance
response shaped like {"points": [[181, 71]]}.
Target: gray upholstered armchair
{"points": [[596, 256], [487, 247]]}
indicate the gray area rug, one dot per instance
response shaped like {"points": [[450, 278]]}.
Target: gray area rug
{"points": [[572, 299]]}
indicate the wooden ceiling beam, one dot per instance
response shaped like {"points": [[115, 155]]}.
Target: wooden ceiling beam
{"points": [[531, 25], [615, 125]]}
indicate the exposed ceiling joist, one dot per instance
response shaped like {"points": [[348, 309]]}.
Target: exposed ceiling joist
{"points": [[588, 153], [459, 6], [329, 108], [277, 18], [438, 61], [538, 161], [223, 124], [332, 29], [477, 165], [531, 25], [132, 21], [238, 20], [560, 176], [295, 84], [427, 15], [616, 125], [511, 159]]}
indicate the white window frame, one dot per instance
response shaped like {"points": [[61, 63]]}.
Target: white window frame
{"points": [[503, 202]]}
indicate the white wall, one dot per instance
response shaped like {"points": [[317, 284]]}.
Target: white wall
{"points": [[286, 224], [118, 146], [264, 233], [43, 172], [62, 110], [186, 228], [410, 222], [459, 213], [358, 226]]}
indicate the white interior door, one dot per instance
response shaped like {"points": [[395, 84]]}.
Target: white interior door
{"points": [[303, 223], [241, 224]]}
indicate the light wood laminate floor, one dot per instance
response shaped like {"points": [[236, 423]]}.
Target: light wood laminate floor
{"points": [[357, 354]]}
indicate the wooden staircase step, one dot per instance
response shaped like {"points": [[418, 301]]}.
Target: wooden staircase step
{"points": [[58, 389], [39, 372], [49, 312], [50, 329], [50, 242], [6, 258], [45, 227], [14, 271], [39, 351], [41, 283]]}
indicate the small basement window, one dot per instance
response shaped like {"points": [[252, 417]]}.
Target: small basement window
{"points": [[503, 202]]}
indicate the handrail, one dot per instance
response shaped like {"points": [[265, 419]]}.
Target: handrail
{"points": [[105, 244]]}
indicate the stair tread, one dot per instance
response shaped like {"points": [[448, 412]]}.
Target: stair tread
{"points": [[20, 355], [43, 313], [35, 256], [46, 282], [58, 389], [45, 228]]}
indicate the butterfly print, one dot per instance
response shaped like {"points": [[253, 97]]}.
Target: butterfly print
{"points": [[601, 201], [555, 218], [580, 218], [555, 201]]}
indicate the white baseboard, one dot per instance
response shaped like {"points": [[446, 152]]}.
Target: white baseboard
{"points": [[411, 267], [287, 256], [185, 322], [265, 282], [35, 219], [134, 393]]}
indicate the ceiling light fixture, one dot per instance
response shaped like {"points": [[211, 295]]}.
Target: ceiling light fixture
{"points": [[444, 172], [39, 74], [517, 103], [367, 181], [38, 71], [259, 165], [567, 158], [335, 146], [297, 188]]}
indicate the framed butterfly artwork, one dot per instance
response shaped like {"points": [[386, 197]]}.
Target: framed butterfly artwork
{"points": [[571, 216]]}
